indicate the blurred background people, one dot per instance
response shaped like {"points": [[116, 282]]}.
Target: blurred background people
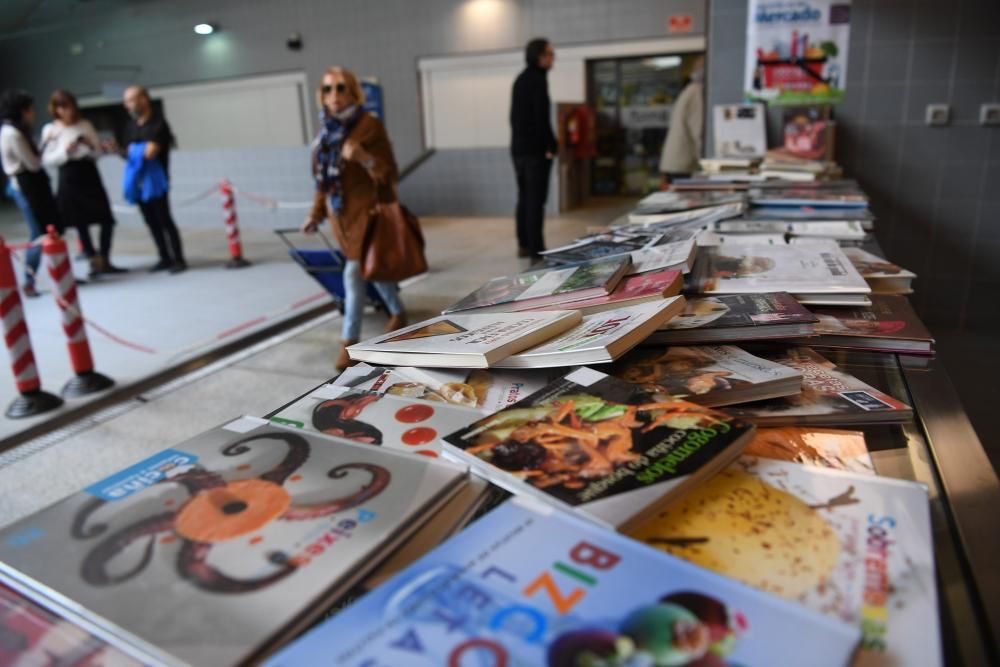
{"points": [[70, 143], [29, 184], [533, 145], [682, 149], [151, 129], [354, 170]]}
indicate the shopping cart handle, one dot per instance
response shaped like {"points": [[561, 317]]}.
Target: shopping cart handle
{"points": [[283, 233]]}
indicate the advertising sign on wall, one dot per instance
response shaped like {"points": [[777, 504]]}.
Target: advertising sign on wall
{"points": [[797, 51]]}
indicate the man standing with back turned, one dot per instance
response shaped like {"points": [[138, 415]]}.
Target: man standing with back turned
{"points": [[532, 145], [151, 129]]}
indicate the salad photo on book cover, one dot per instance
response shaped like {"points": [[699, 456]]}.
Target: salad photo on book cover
{"points": [[526, 586], [589, 439]]}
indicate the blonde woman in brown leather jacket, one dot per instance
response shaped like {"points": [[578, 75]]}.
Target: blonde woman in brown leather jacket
{"points": [[355, 170]]}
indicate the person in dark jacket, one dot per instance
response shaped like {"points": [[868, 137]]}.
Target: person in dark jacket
{"points": [[532, 145]]}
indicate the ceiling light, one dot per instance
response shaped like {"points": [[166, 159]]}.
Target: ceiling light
{"points": [[205, 28]]}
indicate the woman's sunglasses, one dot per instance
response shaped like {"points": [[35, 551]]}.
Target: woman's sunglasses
{"points": [[327, 88]]}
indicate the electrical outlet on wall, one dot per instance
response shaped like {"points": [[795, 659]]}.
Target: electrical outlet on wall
{"points": [[937, 114], [989, 113]]}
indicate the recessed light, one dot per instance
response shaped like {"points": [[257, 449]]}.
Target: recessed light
{"points": [[205, 28]]}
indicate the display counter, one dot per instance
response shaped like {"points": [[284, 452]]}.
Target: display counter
{"points": [[939, 448]]}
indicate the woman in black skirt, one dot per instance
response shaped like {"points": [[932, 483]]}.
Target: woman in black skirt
{"points": [[71, 144], [23, 166]]}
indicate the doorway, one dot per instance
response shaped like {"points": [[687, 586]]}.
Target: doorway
{"points": [[632, 98]]}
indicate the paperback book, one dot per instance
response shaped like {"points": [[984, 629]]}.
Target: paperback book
{"points": [[609, 450], [856, 548], [811, 213], [837, 449], [485, 390], [814, 197], [596, 246], [838, 230], [711, 375], [883, 276], [464, 340], [529, 586], [211, 552], [410, 425], [32, 636], [737, 317], [820, 269], [545, 287], [829, 396], [600, 338], [632, 291], [705, 214], [889, 325], [676, 255]]}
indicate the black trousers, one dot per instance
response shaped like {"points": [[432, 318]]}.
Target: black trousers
{"points": [[532, 190], [156, 213]]}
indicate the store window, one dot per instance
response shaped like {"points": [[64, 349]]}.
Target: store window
{"points": [[633, 99]]}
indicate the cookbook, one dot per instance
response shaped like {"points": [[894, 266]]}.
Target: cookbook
{"points": [[737, 317], [609, 450]]}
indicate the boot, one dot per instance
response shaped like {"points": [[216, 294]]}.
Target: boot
{"points": [[343, 359], [396, 322], [97, 266]]}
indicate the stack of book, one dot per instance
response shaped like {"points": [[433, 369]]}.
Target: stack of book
{"points": [[577, 465]]}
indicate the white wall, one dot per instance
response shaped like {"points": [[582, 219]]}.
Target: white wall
{"points": [[467, 98], [262, 111]]}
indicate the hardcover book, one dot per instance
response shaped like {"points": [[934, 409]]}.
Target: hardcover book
{"points": [[485, 390], [820, 268], [883, 276], [854, 547], [464, 340], [807, 197], [829, 396], [737, 317], [210, 552], [599, 338], [609, 450], [631, 291], [708, 374], [411, 425], [822, 447], [889, 325], [526, 586], [545, 287]]}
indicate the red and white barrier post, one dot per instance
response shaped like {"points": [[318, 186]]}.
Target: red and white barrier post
{"points": [[32, 399], [87, 380], [232, 227]]}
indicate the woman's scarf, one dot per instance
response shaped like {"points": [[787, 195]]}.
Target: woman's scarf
{"points": [[326, 156]]}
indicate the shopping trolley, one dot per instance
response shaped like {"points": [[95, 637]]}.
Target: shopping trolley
{"points": [[326, 266]]}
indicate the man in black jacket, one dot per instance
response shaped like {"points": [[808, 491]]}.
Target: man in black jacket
{"points": [[532, 145]]}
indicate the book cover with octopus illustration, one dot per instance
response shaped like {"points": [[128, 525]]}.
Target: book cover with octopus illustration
{"points": [[530, 586], [854, 547], [610, 450], [210, 552]]}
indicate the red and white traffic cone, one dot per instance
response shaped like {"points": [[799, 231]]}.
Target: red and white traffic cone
{"points": [[87, 380], [232, 228], [32, 399]]}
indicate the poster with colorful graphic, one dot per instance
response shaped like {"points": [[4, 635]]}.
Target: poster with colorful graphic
{"points": [[797, 51]]}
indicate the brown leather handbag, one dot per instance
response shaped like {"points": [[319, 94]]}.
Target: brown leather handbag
{"points": [[393, 246]]}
